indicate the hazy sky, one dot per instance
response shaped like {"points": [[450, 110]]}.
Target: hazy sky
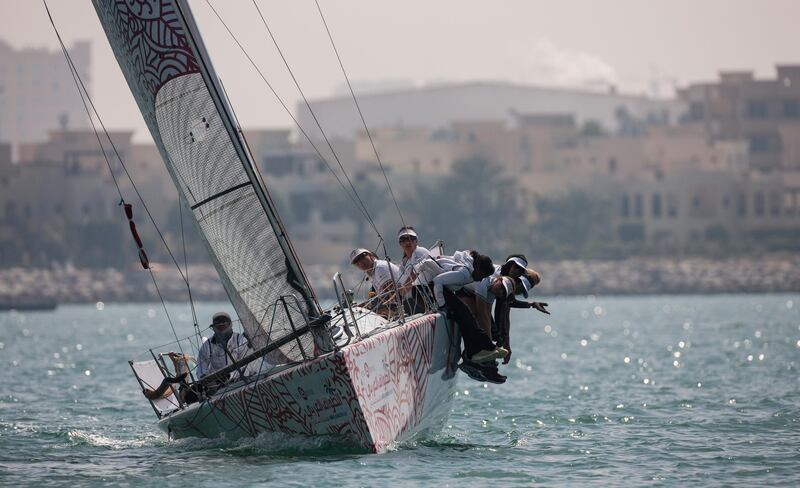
{"points": [[567, 42]]}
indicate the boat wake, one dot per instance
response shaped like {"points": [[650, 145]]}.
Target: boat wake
{"points": [[79, 438]]}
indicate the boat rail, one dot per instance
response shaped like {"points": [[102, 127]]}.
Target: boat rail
{"points": [[181, 375]]}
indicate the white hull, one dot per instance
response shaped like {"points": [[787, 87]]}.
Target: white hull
{"points": [[385, 388]]}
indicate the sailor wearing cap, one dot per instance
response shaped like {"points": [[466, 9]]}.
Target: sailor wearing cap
{"points": [[380, 272], [224, 347], [416, 259], [502, 309], [515, 266], [417, 270], [462, 268]]}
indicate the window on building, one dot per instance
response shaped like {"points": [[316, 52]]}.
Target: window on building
{"points": [[741, 205], [625, 211], [726, 202], [656, 204], [612, 165], [638, 205], [757, 109], [277, 165], [789, 202], [672, 206], [301, 207], [791, 109], [759, 143], [775, 204], [759, 204], [696, 111]]}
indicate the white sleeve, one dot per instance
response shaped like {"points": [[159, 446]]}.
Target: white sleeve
{"points": [[203, 358], [419, 255], [482, 289], [380, 277]]}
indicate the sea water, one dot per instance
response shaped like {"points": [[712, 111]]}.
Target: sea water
{"points": [[606, 391]]}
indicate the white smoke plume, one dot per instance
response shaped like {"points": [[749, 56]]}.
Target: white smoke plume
{"points": [[552, 65]]}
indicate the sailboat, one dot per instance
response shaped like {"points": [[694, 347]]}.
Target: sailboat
{"points": [[347, 372]]}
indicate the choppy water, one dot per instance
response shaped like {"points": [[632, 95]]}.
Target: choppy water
{"points": [[607, 391]]}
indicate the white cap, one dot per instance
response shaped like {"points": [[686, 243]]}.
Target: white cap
{"points": [[526, 285], [406, 231], [357, 253], [518, 261]]}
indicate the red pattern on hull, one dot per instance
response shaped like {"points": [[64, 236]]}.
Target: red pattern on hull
{"points": [[372, 392]]}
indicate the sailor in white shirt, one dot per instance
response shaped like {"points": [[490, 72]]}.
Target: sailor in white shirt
{"points": [[418, 270], [418, 265], [224, 345], [380, 272], [460, 269]]}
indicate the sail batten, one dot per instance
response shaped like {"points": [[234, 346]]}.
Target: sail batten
{"points": [[166, 66]]}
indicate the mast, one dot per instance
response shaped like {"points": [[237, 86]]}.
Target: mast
{"points": [[166, 65]]}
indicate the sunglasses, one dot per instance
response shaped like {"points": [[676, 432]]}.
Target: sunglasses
{"points": [[407, 239]]}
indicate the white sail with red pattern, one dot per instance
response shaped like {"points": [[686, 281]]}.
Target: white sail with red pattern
{"points": [[165, 64]]}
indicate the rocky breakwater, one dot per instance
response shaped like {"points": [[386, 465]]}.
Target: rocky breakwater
{"points": [[670, 276], [25, 287]]}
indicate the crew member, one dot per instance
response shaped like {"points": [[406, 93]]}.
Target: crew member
{"points": [[224, 347], [382, 274]]}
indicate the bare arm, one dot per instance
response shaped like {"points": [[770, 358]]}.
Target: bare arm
{"points": [[483, 315]]}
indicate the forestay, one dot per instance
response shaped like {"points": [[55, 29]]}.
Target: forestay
{"points": [[166, 66]]}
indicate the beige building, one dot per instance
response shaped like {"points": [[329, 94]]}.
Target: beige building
{"points": [[38, 94], [67, 178], [670, 184], [740, 107]]}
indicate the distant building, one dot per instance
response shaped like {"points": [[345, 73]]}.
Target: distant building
{"points": [[765, 113], [78, 151], [38, 94], [297, 178], [668, 184], [437, 106], [707, 206], [65, 180]]}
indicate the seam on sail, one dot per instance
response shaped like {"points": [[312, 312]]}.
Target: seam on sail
{"points": [[222, 193]]}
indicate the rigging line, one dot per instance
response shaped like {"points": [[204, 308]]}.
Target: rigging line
{"points": [[164, 304], [85, 107], [79, 81], [80, 86], [305, 100], [360, 113], [362, 207], [186, 267]]}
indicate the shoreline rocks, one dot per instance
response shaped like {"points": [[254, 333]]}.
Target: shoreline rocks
{"points": [[67, 284]]}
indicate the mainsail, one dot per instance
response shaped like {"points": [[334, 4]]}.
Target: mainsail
{"points": [[165, 63]]}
